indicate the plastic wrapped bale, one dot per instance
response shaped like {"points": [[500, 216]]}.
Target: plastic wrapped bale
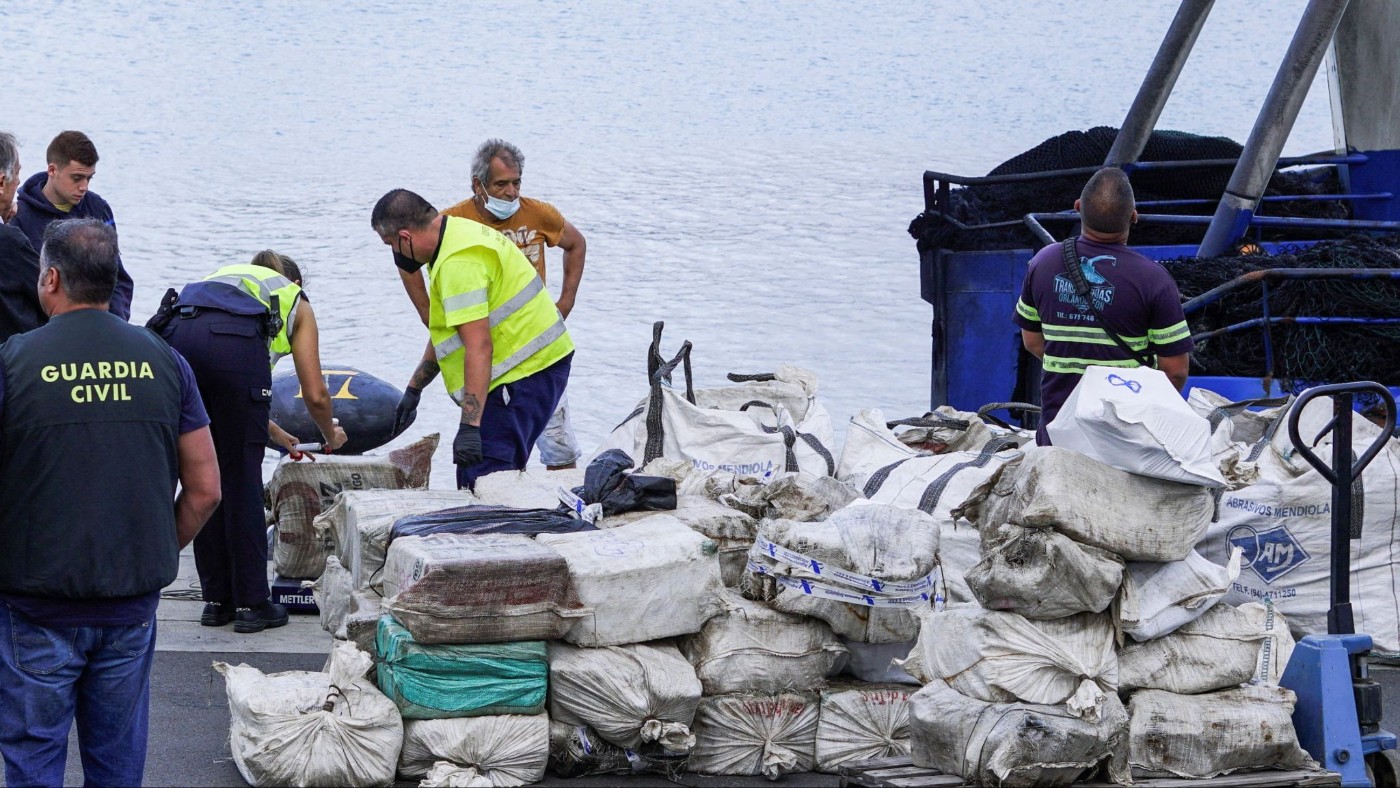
{"points": [[1221, 649], [1014, 744], [1247, 729], [489, 588], [497, 751], [631, 695], [358, 524], [578, 751], [430, 682], [771, 735], [652, 579], [1039, 573], [754, 649], [304, 728], [800, 496], [301, 490], [1159, 598], [1139, 518], [878, 663], [864, 570], [1002, 657], [731, 530], [535, 489], [860, 721]]}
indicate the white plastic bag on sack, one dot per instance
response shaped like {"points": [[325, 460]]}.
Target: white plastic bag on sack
{"points": [[752, 648], [771, 735], [862, 721], [499, 751], [655, 578], [357, 525], [305, 728], [1223, 648], [1015, 744], [1139, 518], [1283, 522], [631, 695], [864, 570], [1160, 597], [1002, 657], [1250, 729], [1136, 421], [1039, 573]]}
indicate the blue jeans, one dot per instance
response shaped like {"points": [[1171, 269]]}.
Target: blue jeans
{"points": [[100, 676]]}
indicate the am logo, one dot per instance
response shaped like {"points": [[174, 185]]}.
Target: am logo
{"points": [[1271, 554]]}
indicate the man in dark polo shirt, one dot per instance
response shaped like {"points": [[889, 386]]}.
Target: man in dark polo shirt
{"points": [[1135, 295], [98, 421]]}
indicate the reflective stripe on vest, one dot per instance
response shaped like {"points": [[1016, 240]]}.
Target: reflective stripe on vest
{"points": [[262, 283], [531, 348]]}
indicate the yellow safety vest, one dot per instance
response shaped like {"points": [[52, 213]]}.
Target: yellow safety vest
{"points": [[478, 274], [262, 283]]}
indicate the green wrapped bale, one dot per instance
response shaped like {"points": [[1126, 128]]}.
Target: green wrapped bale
{"points": [[430, 682]]}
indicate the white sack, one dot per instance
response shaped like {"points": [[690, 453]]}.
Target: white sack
{"points": [[1139, 518], [1014, 744], [862, 721], [795, 496], [299, 491], [508, 750], [1238, 434], [1160, 597], [631, 695], [357, 525], [754, 649], [651, 579], [894, 550], [937, 484], [332, 592], [281, 734], [879, 663], [532, 489], [771, 735], [1002, 657], [871, 444], [1247, 729], [1283, 523], [1136, 421], [362, 622], [1039, 573], [1221, 649], [578, 751]]}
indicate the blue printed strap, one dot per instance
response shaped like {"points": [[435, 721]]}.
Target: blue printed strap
{"points": [[823, 591], [864, 582]]}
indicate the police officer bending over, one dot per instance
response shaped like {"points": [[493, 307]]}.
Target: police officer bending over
{"points": [[98, 420]]}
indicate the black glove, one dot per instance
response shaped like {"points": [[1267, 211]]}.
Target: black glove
{"points": [[407, 410], [466, 447]]}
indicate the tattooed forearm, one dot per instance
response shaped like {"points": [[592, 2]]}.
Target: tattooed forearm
{"points": [[471, 409], [424, 374]]}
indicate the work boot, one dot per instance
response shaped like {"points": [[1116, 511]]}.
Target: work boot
{"points": [[215, 614], [268, 615]]}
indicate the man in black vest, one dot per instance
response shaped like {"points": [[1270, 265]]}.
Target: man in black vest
{"points": [[98, 421]]}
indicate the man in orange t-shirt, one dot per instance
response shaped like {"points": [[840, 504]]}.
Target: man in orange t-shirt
{"points": [[532, 225]]}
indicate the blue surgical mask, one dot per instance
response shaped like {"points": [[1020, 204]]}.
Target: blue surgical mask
{"points": [[502, 209]]}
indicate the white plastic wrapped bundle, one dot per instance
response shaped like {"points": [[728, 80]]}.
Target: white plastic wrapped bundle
{"points": [[771, 735], [1250, 729], [1139, 518], [864, 570], [1002, 657], [299, 491], [1159, 598], [1014, 744], [652, 579], [304, 728], [479, 588], [357, 525], [631, 695], [499, 751], [1221, 649], [860, 721], [752, 648], [1039, 573]]}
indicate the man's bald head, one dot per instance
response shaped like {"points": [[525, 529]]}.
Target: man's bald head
{"points": [[1106, 205]]}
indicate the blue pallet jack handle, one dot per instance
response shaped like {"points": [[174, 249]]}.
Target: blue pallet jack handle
{"points": [[1338, 713]]}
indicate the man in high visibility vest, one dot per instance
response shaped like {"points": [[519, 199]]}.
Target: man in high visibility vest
{"points": [[494, 333]]}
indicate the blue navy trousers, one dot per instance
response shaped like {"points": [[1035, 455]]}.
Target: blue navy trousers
{"points": [[513, 420]]}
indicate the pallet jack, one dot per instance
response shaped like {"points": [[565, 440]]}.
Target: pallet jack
{"points": [[1338, 713]]}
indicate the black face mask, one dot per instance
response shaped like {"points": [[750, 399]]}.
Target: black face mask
{"points": [[406, 263]]}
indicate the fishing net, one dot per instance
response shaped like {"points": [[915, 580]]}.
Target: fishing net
{"points": [[1303, 354], [1005, 204]]}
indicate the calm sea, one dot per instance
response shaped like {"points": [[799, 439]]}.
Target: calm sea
{"points": [[744, 171]]}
